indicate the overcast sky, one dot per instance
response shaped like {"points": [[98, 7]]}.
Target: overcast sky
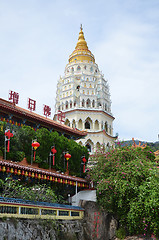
{"points": [[37, 37]]}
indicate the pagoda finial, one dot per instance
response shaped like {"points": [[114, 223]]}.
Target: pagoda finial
{"points": [[81, 52]]}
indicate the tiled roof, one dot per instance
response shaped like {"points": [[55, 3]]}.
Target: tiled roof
{"points": [[9, 107]]}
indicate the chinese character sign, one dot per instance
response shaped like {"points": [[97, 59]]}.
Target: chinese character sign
{"points": [[31, 104], [13, 97], [61, 116], [47, 111]]}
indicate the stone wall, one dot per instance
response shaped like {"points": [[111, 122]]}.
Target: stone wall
{"points": [[24, 229]]}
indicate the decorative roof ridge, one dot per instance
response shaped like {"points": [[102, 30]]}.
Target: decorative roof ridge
{"points": [[28, 167], [37, 116]]}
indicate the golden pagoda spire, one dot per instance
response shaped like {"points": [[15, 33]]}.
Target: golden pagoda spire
{"points": [[81, 44], [81, 52]]}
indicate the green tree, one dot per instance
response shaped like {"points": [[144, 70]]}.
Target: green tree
{"points": [[20, 147], [127, 185]]}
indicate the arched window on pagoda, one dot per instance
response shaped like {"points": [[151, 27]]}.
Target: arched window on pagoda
{"points": [[102, 125], [88, 146], [80, 124], [99, 104], [78, 68], [66, 105], [73, 124], [88, 103], [98, 146], [70, 104], [87, 125], [83, 103], [96, 125], [106, 126], [67, 122], [110, 130], [93, 103], [74, 103]]}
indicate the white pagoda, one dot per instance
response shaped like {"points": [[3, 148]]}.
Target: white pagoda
{"points": [[83, 95]]}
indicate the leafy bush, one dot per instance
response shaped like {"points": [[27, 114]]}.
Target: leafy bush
{"points": [[127, 185], [120, 233]]}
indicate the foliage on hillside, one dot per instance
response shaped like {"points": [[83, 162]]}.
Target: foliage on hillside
{"points": [[127, 185], [20, 147], [37, 192], [153, 145]]}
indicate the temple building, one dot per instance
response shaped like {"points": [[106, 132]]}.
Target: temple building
{"points": [[83, 96]]}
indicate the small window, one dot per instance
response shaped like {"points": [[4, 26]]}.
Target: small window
{"points": [[7, 209], [48, 212], [78, 68], [33, 211], [74, 214], [87, 125], [63, 213]]}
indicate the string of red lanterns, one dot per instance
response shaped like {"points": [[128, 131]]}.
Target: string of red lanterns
{"points": [[41, 176]]}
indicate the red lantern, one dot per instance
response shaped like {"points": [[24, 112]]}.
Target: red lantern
{"points": [[0, 168], [84, 161], [42, 177], [36, 175], [8, 134], [29, 174], [15, 171], [67, 156], [48, 178], [53, 150], [8, 170], [35, 145], [23, 173]]}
